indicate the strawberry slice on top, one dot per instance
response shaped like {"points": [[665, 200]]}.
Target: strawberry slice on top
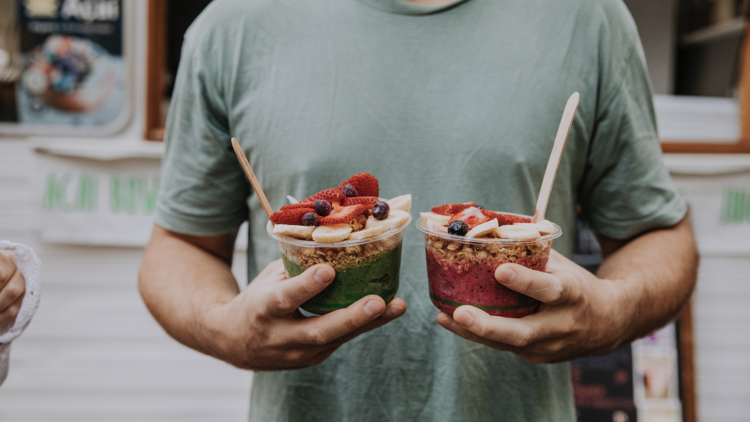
{"points": [[342, 215], [365, 184], [450, 209], [301, 205], [330, 195], [505, 219], [367, 201], [472, 216], [292, 217]]}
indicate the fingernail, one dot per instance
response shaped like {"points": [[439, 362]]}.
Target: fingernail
{"points": [[373, 308], [464, 318], [393, 311], [323, 276], [506, 275]]}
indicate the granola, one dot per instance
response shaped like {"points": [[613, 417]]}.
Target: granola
{"points": [[461, 254], [340, 256]]}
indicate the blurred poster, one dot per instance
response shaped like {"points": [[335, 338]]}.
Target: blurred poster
{"points": [[69, 68], [603, 387]]}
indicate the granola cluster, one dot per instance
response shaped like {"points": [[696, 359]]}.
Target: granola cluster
{"points": [[463, 255], [339, 257]]}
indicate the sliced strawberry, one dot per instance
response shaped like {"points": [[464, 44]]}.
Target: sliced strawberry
{"points": [[329, 195], [367, 201], [471, 216], [290, 216], [297, 206], [365, 184], [505, 219], [450, 209], [343, 215]]}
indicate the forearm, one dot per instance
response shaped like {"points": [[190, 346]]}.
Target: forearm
{"points": [[185, 287], [657, 272]]}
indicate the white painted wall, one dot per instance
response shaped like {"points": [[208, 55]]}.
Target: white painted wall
{"points": [[93, 353]]}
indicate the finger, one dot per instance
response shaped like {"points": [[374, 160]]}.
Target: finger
{"points": [[337, 324], [10, 313], [447, 322], [274, 267], [545, 287], [7, 268], [518, 332], [393, 310], [12, 291], [287, 295]]}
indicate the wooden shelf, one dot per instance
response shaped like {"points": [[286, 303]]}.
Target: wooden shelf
{"points": [[715, 32]]}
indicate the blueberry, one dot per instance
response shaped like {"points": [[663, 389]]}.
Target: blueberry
{"points": [[380, 210], [310, 219], [458, 228], [322, 207], [349, 191]]}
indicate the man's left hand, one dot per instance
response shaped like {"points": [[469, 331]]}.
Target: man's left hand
{"points": [[580, 314]]}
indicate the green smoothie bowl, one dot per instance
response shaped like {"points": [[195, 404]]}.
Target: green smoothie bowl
{"points": [[363, 267]]}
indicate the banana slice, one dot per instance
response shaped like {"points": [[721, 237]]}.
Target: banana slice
{"points": [[402, 203], [432, 225], [331, 234], [516, 232], [396, 218], [442, 220], [297, 232], [545, 227], [483, 229], [367, 233], [292, 200]]}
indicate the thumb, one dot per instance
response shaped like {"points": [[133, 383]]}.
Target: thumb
{"points": [[288, 295], [544, 287]]}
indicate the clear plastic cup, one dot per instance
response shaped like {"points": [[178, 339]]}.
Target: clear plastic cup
{"points": [[461, 271], [363, 267]]}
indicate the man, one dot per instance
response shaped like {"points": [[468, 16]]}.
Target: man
{"points": [[452, 101]]}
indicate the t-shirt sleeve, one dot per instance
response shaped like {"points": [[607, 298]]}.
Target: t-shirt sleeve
{"points": [[203, 190], [626, 188]]}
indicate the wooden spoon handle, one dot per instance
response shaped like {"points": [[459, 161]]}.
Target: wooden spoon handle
{"points": [[251, 175], [554, 158]]}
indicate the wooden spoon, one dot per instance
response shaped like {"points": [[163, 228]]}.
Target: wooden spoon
{"points": [[554, 158], [251, 175]]}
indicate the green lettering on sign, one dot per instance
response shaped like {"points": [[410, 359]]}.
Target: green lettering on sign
{"points": [[132, 194], [735, 206], [68, 194]]}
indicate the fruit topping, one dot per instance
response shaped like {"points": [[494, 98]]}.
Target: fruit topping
{"points": [[402, 203], [441, 220], [331, 234], [516, 232], [322, 207], [330, 195], [543, 227], [310, 219], [296, 206], [290, 216], [367, 233], [505, 219], [364, 183], [342, 215], [471, 216], [381, 210], [458, 228], [450, 209], [297, 232], [349, 191], [367, 201], [482, 229], [396, 218], [432, 225]]}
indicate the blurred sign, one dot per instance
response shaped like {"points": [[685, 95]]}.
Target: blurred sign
{"points": [[95, 202], [72, 71]]}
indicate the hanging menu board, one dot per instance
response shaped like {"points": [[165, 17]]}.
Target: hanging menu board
{"points": [[71, 69]]}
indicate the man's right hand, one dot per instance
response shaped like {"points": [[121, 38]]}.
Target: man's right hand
{"points": [[268, 332]]}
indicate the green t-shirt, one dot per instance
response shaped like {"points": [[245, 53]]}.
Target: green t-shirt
{"points": [[450, 104]]}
